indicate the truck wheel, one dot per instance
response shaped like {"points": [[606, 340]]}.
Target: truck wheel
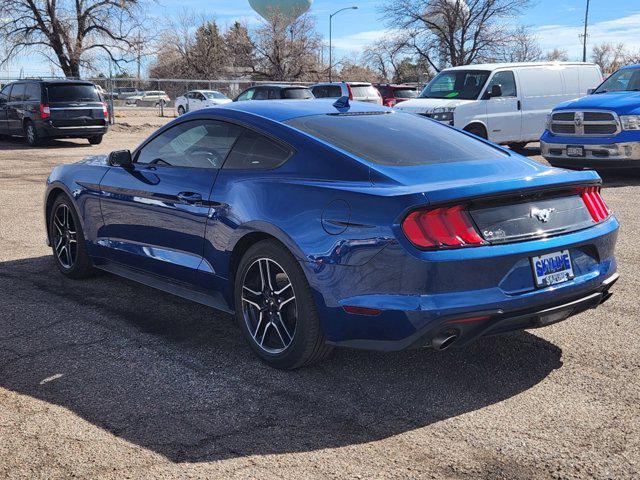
{"points": [[477, 130], [31, 134], [95, 140], [518, 146], [180, 110]]}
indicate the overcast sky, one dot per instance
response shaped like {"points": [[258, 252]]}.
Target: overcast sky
{"points": [[557, 23]]}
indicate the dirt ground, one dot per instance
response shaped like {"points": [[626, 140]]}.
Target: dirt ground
{"points": [[105, 378]]}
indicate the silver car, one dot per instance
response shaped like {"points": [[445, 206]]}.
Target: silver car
{"points": [[357, 91]]}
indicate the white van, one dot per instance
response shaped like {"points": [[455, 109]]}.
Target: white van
{"points": [[504, 102]]}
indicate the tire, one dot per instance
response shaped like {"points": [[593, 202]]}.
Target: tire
{"points": [[31, 134], [280, 323], [69, 248], [95, 140], [477, 130], [518, 146], [180, 110]]}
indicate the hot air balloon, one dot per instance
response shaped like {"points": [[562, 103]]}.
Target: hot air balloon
{"points": [[290, 9]]}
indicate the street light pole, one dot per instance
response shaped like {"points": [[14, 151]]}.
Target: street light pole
{"points": [[330, 48], [584, 36]]}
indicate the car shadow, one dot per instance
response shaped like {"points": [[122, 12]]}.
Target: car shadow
{"points": [[17, 143], [178, 379]]}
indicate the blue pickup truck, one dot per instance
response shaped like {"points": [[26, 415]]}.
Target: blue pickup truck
{"points": [[599, 131]]}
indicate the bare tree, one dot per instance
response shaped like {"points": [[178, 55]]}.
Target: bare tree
{"points": [[523, 47], [384, 56], [453, 32], [240, 49], [285, 49], [68, 32], [610, 57], [557, 55]]}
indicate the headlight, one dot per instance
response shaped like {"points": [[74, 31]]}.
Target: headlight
{"points": [[630, 122], [547, 122], [443, 115]]}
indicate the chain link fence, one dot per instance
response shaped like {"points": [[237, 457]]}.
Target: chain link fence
{"points": [[157, 94]]}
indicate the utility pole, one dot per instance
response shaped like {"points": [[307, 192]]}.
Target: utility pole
{"points": [[584, 35]]}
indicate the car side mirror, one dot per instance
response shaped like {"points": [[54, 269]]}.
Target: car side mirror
{"points": [[120, 158], [590, 91], [496, 91]]}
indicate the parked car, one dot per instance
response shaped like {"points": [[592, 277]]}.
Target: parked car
{"points": [[122, 93], [44, 109], [393, 94], [151, 97], [338, 224], [506, 103], [601, 130], [197, 99], [357, 91], [275, 92]]}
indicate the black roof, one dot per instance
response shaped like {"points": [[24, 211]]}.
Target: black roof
{"points": [[55, 80]]}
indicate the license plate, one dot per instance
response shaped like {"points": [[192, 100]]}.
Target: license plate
{"points": [[573, 151], [552, 268]]}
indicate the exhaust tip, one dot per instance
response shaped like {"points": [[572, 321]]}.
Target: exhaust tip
{"points": [[444, 340]]}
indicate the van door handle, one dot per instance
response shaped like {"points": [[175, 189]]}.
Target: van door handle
{"points": [[519, 105], [190, 198]]}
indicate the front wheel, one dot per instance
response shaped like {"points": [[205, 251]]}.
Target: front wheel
{"points": [[275, 309], [67, 240]]}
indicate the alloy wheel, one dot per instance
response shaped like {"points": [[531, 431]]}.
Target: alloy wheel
{"points": [[31, 134], [269, 305], [65, 240]]}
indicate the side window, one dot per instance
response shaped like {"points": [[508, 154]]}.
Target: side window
{"points": [[194, 144], [17, 94], [318, 92], [506, 81], [199, 96], [188, 95], [32, 92], [273, 94], [247, 94], [4, 94], [254, 151], [261, 94]]}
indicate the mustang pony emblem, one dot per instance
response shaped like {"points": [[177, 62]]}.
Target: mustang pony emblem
{"points": [[543, 214]]}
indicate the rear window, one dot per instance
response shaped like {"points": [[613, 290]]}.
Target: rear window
{"points": [[405, 93], [327, 91], [297, 93], [363, 91], [395, 138], [72, 93]]}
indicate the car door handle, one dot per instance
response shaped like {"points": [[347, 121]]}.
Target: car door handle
{"points": [[519, 105], [190, 198]]}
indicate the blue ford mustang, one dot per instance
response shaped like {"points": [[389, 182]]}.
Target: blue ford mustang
{"points": [[323, 224]]}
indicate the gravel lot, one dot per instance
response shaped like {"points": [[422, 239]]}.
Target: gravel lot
{"points": [[107, 378]]}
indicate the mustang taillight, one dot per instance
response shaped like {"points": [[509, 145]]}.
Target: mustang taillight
{"points": [[45, 111], [595, 204], [441, 227]]}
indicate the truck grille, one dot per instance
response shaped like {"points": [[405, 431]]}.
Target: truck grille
{"points": [[581, 123]]}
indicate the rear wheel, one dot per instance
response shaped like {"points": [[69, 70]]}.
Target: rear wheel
{"points": [[31, 134], [275, 309], [95, 140], [67, 240], [180, 110]]}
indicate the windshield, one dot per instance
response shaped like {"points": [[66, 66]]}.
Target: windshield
{"points": [[625, 80], [458, 84], [72, 93], [214, 95], [375, 136], [297, 93]]}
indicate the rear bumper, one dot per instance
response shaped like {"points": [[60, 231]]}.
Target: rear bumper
{"points": [[47, 129]]}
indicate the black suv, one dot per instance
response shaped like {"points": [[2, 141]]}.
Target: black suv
{"points": [[275, 92], [43, 109]]}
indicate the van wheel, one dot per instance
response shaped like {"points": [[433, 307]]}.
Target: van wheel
{"points": [[95, 140], [477, 130], [31, 134], [518, 146]]}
